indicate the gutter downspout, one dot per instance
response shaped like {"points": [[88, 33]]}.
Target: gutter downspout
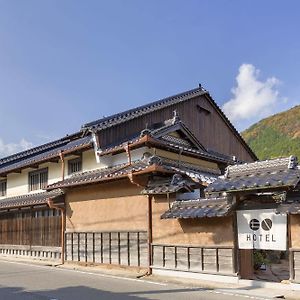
{"points": [[62, 210], [96, 143], [127, 149], [62, 158], [149, 221]]}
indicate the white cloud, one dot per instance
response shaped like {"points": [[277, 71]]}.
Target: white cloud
{"points": [[253, 99], [11, 148]]}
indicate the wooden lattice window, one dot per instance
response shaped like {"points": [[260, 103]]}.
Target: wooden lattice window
{"points": [[3, 188], [74, 165], [38, 180]]}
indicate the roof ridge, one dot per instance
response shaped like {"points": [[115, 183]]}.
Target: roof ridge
{"points": [[44, 154], [275, 163], [37, 149], [144, 107]]}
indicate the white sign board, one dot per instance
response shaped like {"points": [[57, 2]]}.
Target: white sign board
{"points": [[262, 229]]}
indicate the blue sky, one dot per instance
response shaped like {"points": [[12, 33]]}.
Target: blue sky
{"points": [[67, 62]]}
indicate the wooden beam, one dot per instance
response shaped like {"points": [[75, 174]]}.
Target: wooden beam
{"points": [[35, 166], [54, 160]]}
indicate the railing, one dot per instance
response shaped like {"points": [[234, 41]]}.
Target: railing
{"points": [[120, 248], [201, 259]]}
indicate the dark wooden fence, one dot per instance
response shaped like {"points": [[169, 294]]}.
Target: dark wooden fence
{"points": [[31, 228], [212, 260], [120, 248]]}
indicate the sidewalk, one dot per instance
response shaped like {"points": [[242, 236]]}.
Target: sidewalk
{"points": [[246, 288]]}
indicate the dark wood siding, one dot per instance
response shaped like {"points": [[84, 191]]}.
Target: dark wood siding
{"points": [[32, 228], [206, 123]]}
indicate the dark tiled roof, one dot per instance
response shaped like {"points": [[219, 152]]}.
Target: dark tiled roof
{"points": [[142, 110], [37, 150], [262, 166], [30, 199], [289, 208], [159, 185], [121, 170], [203, 154], [125, 116], [214, 207], [46, 154], [269, 174], [290, 202], [205, 176]]}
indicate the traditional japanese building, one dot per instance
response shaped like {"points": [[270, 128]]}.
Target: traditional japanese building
{"points": [[128, 190], [264, 201]]}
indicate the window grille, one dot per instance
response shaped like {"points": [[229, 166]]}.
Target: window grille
{"points": [[74, 165], [2, 188], [38, 180]]}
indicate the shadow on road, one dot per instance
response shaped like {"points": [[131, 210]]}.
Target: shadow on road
{"points": [[67, 293]]}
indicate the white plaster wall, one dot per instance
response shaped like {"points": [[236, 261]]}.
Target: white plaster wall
{"points": [[54, 171], [135, 155], [89, 161], [17, 183]]}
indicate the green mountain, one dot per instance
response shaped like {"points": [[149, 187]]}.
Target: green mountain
{"points": [[276, 136]]}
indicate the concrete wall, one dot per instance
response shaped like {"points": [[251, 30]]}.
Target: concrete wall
{"points": [[203, 232], [106, 207]]}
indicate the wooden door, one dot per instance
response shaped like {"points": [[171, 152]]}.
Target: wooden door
{"points": [[246, 263]]}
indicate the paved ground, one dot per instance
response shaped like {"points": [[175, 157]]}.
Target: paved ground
{"points": [[26, 281]]}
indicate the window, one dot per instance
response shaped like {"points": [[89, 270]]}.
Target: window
{"points": [[74, 165], [38, 180], [2, 188]]}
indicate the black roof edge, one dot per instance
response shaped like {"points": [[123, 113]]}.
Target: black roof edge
{"points": [[90, 124], [35, 150]]}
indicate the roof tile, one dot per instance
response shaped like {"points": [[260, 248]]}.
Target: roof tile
{"points": [[201, 208], [30, 199]]}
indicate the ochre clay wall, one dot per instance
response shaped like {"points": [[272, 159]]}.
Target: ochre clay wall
{"points": [[114, 206], [202, 232], [294, 231], [119, 206]]}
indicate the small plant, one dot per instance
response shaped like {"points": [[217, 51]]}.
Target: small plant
{"points": [[259, 259]]}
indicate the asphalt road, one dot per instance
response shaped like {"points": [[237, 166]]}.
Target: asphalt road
{"points": [[26, 281]]}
